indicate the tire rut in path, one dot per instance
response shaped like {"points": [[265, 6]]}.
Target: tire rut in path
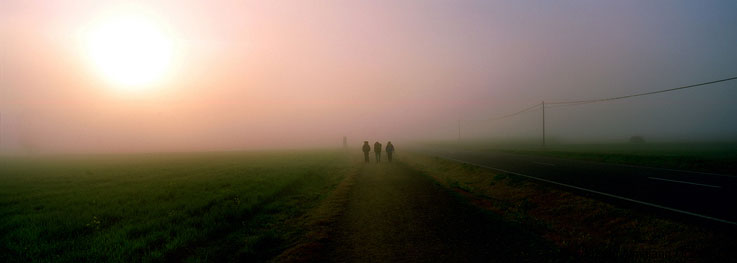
{"points": [[395, 214]]}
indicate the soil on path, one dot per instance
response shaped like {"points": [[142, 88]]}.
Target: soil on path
{"points": [[395, 214]]}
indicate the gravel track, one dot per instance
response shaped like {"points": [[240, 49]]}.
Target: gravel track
{"points": [[395, 214]]}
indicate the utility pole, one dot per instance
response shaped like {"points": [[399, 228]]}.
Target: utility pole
{"points": [[543, 124], [459, 130], [1, 132]]}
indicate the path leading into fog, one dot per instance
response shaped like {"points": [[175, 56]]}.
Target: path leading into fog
{"points": [[395, 214]]}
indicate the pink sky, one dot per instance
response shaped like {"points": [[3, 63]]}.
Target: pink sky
{"points": [[305, 73]]}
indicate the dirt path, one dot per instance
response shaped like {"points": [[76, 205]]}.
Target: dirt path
{"points": [[395, 214]]}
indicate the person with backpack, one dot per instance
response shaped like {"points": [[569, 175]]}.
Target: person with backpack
{"points": [[366, 149], [377, 150], [389, 150]]}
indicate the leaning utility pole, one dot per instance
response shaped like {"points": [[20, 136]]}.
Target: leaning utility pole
{"points": [[543, 123], [1, 132], [459, 130]]}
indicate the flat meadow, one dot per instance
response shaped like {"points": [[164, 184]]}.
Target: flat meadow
{"points": [[716, 156], [719, 157], [161, 207]]}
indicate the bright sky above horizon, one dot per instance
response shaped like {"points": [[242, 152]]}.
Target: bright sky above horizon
{"points": [[222, 75]]}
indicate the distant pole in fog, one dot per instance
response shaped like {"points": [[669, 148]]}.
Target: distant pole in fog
{"points": [[345, 142], [459, 130], [1, 132], [585, 102], [543, 106]]}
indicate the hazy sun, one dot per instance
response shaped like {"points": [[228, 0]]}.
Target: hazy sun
{"points": [[131, 50]]}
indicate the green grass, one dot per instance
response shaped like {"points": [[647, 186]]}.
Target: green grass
{"points": [[713, 157], [720, 157], [160, 207], [587, 229]]}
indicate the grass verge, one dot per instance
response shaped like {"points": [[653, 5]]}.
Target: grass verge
{"points": [[712, 162], [320, 223], [589, 229], [161, 207]]}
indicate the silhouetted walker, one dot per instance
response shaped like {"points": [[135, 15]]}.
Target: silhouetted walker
{"points": [[366, 150], [389, 150], [377, 150]]}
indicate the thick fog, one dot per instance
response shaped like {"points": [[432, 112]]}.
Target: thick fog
{"points": [[297, 74]]}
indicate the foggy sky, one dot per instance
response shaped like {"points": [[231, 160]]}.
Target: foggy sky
{"points": [[293, 74]]}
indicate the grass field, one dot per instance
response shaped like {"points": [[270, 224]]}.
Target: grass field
{"points": [[718, 157], [710, 157], [589, 230], [160, 207], [252, 206]]}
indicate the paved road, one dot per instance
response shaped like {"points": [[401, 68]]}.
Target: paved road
{"points": [[397, 215], [707, 194]]}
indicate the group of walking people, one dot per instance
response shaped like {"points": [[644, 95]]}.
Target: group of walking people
{"points": [[377, 150]]}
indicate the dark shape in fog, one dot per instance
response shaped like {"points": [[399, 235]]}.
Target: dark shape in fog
{"points": [[377, 150], [366, 150], [389, 150], [637, 139]]}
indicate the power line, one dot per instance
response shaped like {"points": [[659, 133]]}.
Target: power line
{"points": [[531, 108], [557, 104], [581, 102], [568, 105]]}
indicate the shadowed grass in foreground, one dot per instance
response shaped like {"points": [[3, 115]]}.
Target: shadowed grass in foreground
{"points": [[719, 157], [152, 207], [589, 229]]}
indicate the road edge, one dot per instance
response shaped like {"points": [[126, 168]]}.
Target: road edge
{"points": [[320, 224]]}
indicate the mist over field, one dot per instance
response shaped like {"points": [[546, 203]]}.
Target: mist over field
{"points": [[495, 130], [256, 75]]}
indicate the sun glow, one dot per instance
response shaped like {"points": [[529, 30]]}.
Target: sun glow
{"points": [[130, 50]]}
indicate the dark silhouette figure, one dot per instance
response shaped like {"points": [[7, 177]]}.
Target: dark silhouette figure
{"points": [[637, 140], [389, 150], [366, 150], [377, 150]]}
